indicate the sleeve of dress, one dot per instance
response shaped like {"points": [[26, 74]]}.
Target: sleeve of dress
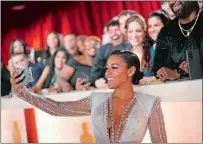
{"points": [[156, 125], [81, 107]]}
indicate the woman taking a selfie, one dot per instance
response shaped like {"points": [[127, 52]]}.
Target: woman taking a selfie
{"points": [[119, 116]]}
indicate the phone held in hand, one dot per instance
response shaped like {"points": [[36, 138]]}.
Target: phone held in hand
{"points": [[84, 77], [27, 76]]}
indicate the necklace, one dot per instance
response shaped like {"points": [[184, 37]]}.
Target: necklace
{"points": [[113, 136], [190, 30]]}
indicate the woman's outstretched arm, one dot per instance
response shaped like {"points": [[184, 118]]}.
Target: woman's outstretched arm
{"points": [[70, 108]]}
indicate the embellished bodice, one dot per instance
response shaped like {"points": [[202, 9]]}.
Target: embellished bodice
{"points": [[137, 122]]}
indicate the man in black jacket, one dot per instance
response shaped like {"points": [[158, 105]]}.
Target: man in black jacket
{"points": [[99, 66], [183, 33]]}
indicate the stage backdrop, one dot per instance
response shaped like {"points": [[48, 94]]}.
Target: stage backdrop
{"points": [[70, 17], [66, 17]]}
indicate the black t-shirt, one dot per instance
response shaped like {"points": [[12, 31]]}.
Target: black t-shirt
{"points": [[171, 44]]}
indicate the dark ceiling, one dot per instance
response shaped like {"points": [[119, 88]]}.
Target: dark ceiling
{"points": [[33, 10]]}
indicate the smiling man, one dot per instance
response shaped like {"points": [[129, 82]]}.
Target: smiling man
{"points": [[183, 33]]}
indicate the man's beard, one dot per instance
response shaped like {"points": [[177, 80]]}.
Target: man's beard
{"points": [[187, 8]]}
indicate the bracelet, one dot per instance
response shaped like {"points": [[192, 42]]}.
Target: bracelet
{"points": [[182, 72]]}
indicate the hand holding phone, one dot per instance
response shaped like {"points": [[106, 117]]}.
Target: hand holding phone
{"points": [[85, 78], [27, 75]]}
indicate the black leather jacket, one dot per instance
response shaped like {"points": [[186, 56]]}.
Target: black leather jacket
{"points": [[171, 45]]}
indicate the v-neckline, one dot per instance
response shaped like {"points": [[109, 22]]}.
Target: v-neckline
{"points": [[106, 117]]}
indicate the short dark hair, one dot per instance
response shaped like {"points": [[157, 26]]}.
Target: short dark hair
{"points": [[161, 14], [131, 59], [112, 23]]}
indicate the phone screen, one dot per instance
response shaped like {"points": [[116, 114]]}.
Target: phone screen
{"points": [[28, 76]]}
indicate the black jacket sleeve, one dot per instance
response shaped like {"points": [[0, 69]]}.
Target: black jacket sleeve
{"points": [[162, 56]]}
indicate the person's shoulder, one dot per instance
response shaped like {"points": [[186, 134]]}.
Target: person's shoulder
{"points": [[73, 60], [126, 45], [99, 98], [106, 46], [35, 67], [145, 97], [77, 58], [147, 101], [32, 65], [170, 27]]}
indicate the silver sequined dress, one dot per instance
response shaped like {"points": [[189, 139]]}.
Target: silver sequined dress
{"points": [[146, 113]]}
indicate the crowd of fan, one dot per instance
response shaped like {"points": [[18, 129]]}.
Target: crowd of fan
{"points": [[73, 62]]}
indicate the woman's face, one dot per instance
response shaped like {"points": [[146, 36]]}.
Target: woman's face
{"points": [[52, 41], [91, 47], [18, 47], [135, 33], [116, 72], [60, 60], [154, 27]]}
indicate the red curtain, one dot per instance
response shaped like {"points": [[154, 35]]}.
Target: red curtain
{"points": [[83, 17], [74, 17]]}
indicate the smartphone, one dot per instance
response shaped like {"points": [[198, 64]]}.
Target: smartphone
{"points": [[85, 77], [28, 76]]}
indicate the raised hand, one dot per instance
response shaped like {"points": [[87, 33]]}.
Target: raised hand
{"points": [[16, 80], [80, 86]]}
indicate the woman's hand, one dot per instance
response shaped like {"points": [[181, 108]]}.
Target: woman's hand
{"points": [[16, 86]]}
